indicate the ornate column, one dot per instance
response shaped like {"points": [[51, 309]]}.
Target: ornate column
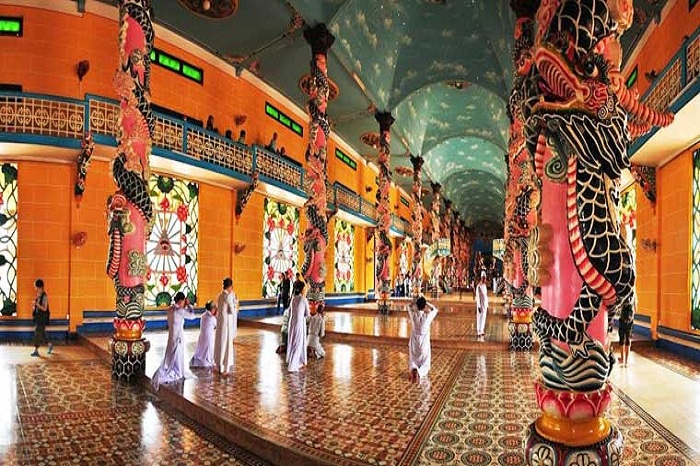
{"points": [[522, 197], [383, 275], [316, 234], [417, 226], [435, 234], [455, 241], [130, 211], [576, 109], [446, 229]]}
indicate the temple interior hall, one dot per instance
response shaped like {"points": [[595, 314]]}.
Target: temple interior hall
{"points": [[350, 232]]}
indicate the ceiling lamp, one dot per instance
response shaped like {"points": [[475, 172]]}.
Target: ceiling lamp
{"points": [[403, 171], [305, 86], [461, 85], [370, 139], [211, 9]]}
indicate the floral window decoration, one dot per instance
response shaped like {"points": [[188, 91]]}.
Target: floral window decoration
{"points": [[344, 279], [628, 218], [695, 247], [171, 249], [8, 239], [280, 244]]}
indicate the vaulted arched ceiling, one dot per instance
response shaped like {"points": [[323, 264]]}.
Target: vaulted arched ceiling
{"points": [[442, 67]]}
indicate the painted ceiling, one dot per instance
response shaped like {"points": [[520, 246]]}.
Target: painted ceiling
{"points": [[441, 67]]}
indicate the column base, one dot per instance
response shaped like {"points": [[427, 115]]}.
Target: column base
{"points": [[540, 451], [521, 336], [128, 358], [384, 306]]}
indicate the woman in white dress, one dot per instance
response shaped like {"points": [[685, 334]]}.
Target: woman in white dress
{"points": [[482, 306], [172, 369], [317, 330], [204, 354], [296, 340], [421, 313], [226, 328]]}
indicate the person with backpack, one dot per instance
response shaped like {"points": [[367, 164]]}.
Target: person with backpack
{"points": [[41, 315]]}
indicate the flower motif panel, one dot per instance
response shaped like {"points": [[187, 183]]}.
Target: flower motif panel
{"points": [[344, 279], [695, 246], [8, 239], [280, 244], [628, 218], [172, 247], [403, 257]]}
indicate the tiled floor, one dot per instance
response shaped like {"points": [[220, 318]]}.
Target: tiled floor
{"points": [[353, 407]]}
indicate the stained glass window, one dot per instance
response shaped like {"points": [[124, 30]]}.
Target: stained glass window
{"points": [[172, 247], [280, 244], [695, 246], [344, 280], [628, 218], [8, 239], [403, 257]]}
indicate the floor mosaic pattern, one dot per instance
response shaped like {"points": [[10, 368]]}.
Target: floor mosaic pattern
{"points": [[681, 365], [73, 413]]}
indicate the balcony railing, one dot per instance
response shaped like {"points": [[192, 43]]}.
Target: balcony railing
{"points": [[54, 120]]}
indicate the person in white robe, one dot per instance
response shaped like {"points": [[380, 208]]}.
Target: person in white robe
{"points": [[226, 328], [204, 353], [172, 369], [421, 314], [317, 330], [296, 339], [482, 306]]}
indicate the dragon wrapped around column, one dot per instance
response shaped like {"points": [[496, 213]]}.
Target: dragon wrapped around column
{"points": [[417, 226], [130, 211], [435, 270], [88, 146], [522, 197], [383, 274], [316, 234], [577, 115]]}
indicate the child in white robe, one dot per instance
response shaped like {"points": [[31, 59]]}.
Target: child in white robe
{"points": [[204, 353], [317, 330], [421, 314], [296, 341], [172, 369], [482, 306]]}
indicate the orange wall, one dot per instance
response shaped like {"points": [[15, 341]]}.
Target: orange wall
{"points": [[674, 210], [665, 40], [216, 231], [43, 233], [647, 262]]}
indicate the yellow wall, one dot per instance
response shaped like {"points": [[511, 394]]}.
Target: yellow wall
{"points": [[674, 210], [647, 261], [216, 230]]}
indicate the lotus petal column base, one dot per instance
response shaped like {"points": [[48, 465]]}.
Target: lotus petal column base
{"points": [[540, 451], [128, 358], [384, 305]]}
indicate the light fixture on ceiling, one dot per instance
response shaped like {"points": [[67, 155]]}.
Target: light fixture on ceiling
{"points": [[206, 4]]}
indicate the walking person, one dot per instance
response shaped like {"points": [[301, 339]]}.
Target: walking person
{"points": [[172, 369], [421, 314], [297, 338], [482, 306], [204, 353], [317, 330], [226, 328], [625, 324], [41, 315], [286, 289]]}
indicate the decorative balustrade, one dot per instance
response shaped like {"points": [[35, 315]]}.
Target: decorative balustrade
{"points": [[36, 115], [398, 224], [277, 168], [211, 148]]}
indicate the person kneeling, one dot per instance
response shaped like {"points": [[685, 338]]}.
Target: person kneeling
{"points": [[421, 315], [317, 330]]}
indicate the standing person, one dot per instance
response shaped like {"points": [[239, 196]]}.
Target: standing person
{"points": [[172, 368], [625, 323], [226, 328], [421, 314], [317, 330], [41, 316], [286, 289], [204, 353], [482, 306], [296, 339]]}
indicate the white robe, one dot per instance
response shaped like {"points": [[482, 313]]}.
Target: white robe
{"points": [[482, 306], [317, 330], [226, 329], [172, 368], [204, 353], [419, 343], [296, 341]]}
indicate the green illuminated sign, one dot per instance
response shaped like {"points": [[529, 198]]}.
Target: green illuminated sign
{"points": [[176, 65], [405, 202], [346, 159], [276, 114], [632, 77], [10, 26]]}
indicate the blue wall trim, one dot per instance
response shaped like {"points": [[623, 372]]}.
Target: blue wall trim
{"points": [[680, 349], [678, 334], [642, 318]]}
